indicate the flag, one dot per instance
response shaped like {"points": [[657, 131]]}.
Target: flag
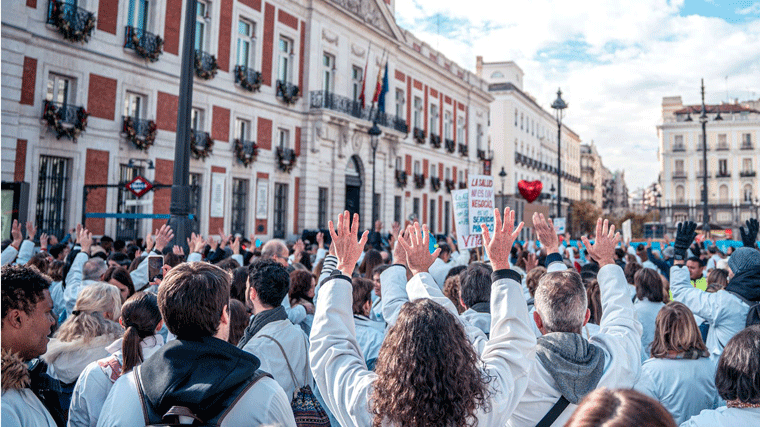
{"points": [[364, 78], [378, 85], [383, 91]]}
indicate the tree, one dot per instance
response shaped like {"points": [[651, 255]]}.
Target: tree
{"points": [[582, 217]]}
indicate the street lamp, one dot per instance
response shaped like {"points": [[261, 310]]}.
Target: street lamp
{"points": [[503, 176], [559, 106], [374, 133], [552, 190], [180, 221], [704, 119]]}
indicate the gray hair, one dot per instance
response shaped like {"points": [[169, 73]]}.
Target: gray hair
{"points": [[93, 269], [273, 248], [561, 301]]}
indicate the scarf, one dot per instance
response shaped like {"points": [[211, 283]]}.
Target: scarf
{"points": [[692, 354], [575, 364], [746, 284], [259, 321]]}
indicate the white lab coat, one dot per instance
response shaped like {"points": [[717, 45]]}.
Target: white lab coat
{"points": [[725, 312], [93, 384], [646, 311], [21, 408], [725, 417], [346, 384], [294, 341], [439, 270], [370, 335], [481, 321], [265, 403], [620, 340], [684, 387]]}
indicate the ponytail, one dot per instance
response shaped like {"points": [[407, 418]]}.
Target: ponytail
{"points": [[141, 316]]}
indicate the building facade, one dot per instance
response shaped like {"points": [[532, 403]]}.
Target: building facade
{"points": [[524, 139], [596, 179], [616, 194], [732, 163], [280, 135]]}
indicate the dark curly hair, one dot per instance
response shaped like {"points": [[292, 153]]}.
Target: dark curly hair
{"points": [[428, 372], [23, 287]]}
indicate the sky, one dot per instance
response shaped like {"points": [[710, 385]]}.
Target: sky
{"points": [[614, 60]]}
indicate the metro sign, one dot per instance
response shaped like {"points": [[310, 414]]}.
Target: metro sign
{"points": [[139, 186]]}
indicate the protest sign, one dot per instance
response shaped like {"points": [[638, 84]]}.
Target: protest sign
{"points": [[465, 240], [559, 225], [627, 231], [480, 203]]}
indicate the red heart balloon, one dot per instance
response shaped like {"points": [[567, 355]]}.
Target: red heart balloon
{"points": [[530, 190]]}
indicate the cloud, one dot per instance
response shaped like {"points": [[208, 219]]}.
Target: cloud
{"points": [[754, 8], [614, 61]]}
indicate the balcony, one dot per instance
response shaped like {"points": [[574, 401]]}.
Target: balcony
{"points": [[699, 147], [419, 135], [464, 150], [435, 184], [65, 120], [321, 99], [401, 178], [588, 169], [450, 185], [722, 147], [701, 175], [288, 92], [201, 144], [723, 174], [286, 159], [746, 146], [451, 146], [435, 140], [462, 185], [246, 151], [419, 180], [747, 174], [74, 23], [588, 187], [140, 132], [205, 65], [679, 148], [248, 78], [147, 45], [485, 155], [679, 175]]}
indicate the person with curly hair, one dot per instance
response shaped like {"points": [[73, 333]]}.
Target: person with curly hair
{"points": [[427, 373]]}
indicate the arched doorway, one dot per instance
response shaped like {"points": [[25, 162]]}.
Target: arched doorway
{"points": [[354, 173]]}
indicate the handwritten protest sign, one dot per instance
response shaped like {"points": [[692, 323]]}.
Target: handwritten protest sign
{"points": [[481, 203], [465, 240]]}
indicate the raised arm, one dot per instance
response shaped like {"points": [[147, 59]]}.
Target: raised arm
{"points": [[549, 240], [701, 303]]}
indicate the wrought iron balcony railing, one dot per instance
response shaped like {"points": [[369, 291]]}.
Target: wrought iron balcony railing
{"points": [[588, 187], [288, 92], [286, 159], [341, 104], [419, 180], [435, 140], [722, 147], [723, 175], [141, 132], [677, 148], [205, 65], [679, 175], [451, 146], [464, 150], [65, 120], [435, 183], [145, 44], [486, 155], [201, 144], [401, 178], [419, 135], [747, 174], [248, 78], [74, 23], [747, 146]]}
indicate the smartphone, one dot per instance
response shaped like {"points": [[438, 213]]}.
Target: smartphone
{"points": [[155, 267]]}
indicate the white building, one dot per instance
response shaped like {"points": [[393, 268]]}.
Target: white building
{"points": [[524, 139], [270, 160], [732, 163]]}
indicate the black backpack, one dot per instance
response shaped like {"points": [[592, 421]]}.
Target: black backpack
{"points": [[753, 315], [183, 415]]}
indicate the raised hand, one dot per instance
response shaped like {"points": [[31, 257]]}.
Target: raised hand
{"points": [[321, 240], [395, 228], [499, 246], [178, 250], [16, 234], [212, 242], [347, 249], [224, 239], [31, 230], [750, 236], [235, 246], [399, 254], [684, 237], [546, 233], [196, 243], [603, 249], [85, 240], [163, 236], [417, 248], [531, 262], [149, 242], [43, 241]]}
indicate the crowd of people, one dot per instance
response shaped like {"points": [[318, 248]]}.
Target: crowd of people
{"points": [[380, 329]]}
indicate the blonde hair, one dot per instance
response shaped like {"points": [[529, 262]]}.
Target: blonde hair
{"points": [[676, 331], [88, 319]]}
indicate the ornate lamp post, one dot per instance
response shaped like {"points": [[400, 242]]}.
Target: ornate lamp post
{"points": [[704, 119], [559, 106], [503, 176], [374, 134]]}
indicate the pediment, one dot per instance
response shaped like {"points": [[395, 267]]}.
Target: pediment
{"points": [[374, 13]]}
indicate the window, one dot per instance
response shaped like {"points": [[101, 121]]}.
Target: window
{"points": [[722, 141], [322, 208], [397, 209], [433, 170], [433, 118], [431, 218], [328, 71], [239, 206], [417, 112], [461, 176], [356, 84], [497, 75], [478, 136], [280, 209], [196, 119], [522, 121], [679, 167], [515, 117], [747, 165], [242, 129], [285, 49], [416, 207], [127, 228], [446, 218], [399, 164], [201, 18], [60, 89], [283, 138], [746, 140], [137, 15], [680, 194], [679, 217], [447, 173], [448, 125], [195, 200], [52, 195], [723, 167], [460, 130], [678, 142], [133, 105], [245, 47], [416, 167], [399, 102], [723, 193], [748, 193]]}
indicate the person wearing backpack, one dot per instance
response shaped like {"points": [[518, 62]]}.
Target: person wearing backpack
{"points": [[198, 378], [725, 310]]}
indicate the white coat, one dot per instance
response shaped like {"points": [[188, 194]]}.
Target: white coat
{"points": [[20, 406], [481, 321], [294, 342], [346, 384], [439, 270], [725, 417], [21, 256], [93, 384], [619, 338], [646, 311], [66, 360], [265, 403], [370, 335], [725, 312], [684, 387]]}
